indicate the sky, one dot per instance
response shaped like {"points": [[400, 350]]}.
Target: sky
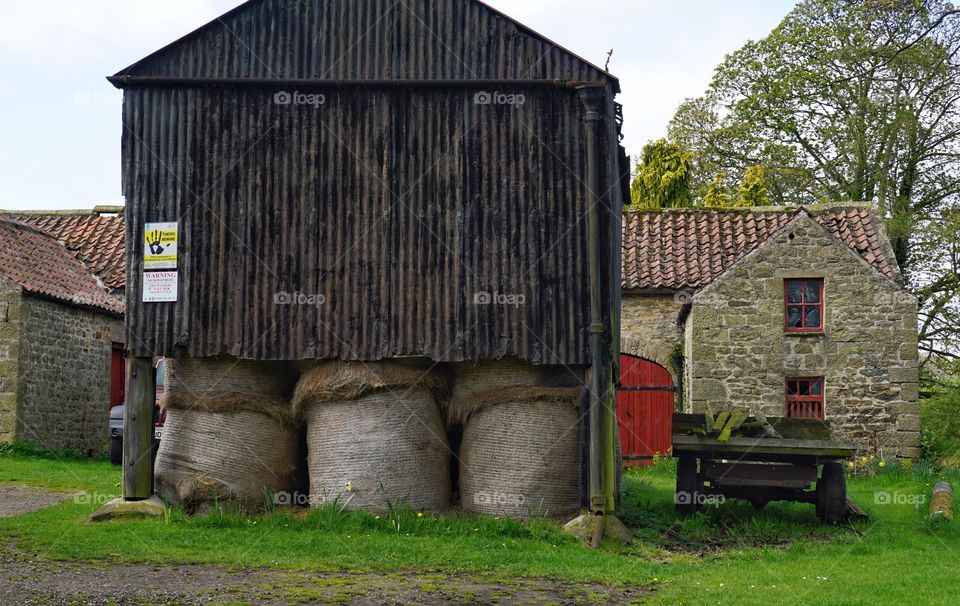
{"points": [[60, 119]]}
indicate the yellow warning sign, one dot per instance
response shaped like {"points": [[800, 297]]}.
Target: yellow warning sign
{"points": [[160, 246]]}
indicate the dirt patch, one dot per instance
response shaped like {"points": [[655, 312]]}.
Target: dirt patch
{"points": [[16, 499], [27, 580]]}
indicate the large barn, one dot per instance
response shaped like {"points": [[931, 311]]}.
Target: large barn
{"points": [[355, 188]]}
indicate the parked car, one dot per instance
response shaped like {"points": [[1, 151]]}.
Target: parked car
{"points": [[116, 421]]}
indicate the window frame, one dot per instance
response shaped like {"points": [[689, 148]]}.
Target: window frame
{"points": [[803, 305], [814, 402]]}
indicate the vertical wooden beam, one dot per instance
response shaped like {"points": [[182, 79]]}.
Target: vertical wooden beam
{"points": [[138, 430]]}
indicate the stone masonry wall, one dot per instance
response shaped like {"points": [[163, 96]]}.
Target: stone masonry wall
{"points": [[648, 326], [65, 375], [738, 354], [10, 313]]}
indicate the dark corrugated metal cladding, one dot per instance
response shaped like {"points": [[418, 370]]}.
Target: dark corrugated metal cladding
{"points": [[366, 40], [382, 214]]}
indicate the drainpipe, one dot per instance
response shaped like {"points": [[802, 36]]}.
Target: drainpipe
{"points": [[592, 97]]}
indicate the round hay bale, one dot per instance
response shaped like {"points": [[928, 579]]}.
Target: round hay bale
{"points": [[223, 383], [520, 453], [230, 436], [237, 458], [375, 436], [474, 378]]}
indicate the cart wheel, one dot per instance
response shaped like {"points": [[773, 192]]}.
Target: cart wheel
{"points": [[759, 504], [689, 486], [832, 494]]}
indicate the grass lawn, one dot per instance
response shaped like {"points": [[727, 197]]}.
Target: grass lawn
{"points": [[727, 555]]}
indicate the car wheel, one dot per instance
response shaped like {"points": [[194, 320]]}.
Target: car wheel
{"points": [[116, 451]]}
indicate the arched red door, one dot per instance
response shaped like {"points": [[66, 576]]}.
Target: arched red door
{"points": [[645, 402]]}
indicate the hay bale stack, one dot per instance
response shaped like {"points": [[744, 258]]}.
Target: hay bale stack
{"points": [[230, 436], [375, 435], [221, 383], [481, 376], [520, 453]]}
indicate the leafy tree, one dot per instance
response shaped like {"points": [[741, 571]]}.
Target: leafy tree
{"points": [[753, 189], [663, 177], [717, 194], [851, 100]]}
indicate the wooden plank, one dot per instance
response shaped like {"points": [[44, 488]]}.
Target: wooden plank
{"points": [[732, 424], [721, 421], [758, 474], [709, 446], [138, 430], [751, 426]]}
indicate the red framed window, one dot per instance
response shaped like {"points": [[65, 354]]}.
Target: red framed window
{"points": [[805, 398], [803, 305]]}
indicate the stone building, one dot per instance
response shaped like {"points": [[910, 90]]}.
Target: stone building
{"points": [[61, 328], [793, 312]]}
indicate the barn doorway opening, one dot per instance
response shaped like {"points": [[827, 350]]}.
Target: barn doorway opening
{"points": [[645, 404]]}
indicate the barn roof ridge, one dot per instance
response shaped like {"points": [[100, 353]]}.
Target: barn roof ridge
{"points": [[126, 73]]}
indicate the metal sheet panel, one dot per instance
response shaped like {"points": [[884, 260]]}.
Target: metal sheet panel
{"points": [[386, 211], [366, 40]]}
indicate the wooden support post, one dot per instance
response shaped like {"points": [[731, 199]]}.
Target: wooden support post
{"points": [[138, 430]]}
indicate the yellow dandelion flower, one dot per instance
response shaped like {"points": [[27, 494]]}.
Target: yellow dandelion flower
{"points": [[419, 514], [850, 465], [376, 517], [883, 464]]}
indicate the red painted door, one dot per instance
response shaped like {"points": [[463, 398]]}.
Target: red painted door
{"points": [[117, 378], [645, 402]]}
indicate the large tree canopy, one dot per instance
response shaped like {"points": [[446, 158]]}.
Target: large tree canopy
{"points": [[850, 100]]}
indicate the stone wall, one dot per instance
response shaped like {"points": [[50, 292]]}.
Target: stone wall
{"points": [[738, 354], [648, 326], [64, 387], [10, 314]]}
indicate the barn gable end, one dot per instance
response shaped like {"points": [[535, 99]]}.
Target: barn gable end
{"points": [[366, 40], [358, 181]]}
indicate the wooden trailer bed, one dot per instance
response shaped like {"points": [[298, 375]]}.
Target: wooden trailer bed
{"points": [[791, 460]]}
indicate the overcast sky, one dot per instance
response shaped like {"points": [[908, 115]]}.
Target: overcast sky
{"points": [[60, 120]]}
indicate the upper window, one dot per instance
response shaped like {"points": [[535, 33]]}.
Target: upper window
{"points": [[805, 398], [803, 305]]}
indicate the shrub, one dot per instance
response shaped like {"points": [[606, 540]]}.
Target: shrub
{"points": [[940, 425]]}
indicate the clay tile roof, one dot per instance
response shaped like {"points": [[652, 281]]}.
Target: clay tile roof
{"points": [[97, 240], [688, 249], [41, 265]]}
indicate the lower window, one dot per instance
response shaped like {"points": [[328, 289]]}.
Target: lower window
{"points": [[805, 398]]}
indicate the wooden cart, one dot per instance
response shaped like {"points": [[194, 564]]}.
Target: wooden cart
{"points": [[803, 465]]}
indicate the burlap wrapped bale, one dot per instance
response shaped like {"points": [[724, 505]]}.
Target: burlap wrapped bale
{"points": [[375, 435], [481, 376], [222, 383], [230, 436], [520, 453]]}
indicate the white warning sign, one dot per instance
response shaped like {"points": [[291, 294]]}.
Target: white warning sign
{"points": [[160, 246], [159, 286]]}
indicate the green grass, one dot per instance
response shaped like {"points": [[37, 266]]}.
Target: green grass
{"points": [[66, 470], [727, 555]]}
